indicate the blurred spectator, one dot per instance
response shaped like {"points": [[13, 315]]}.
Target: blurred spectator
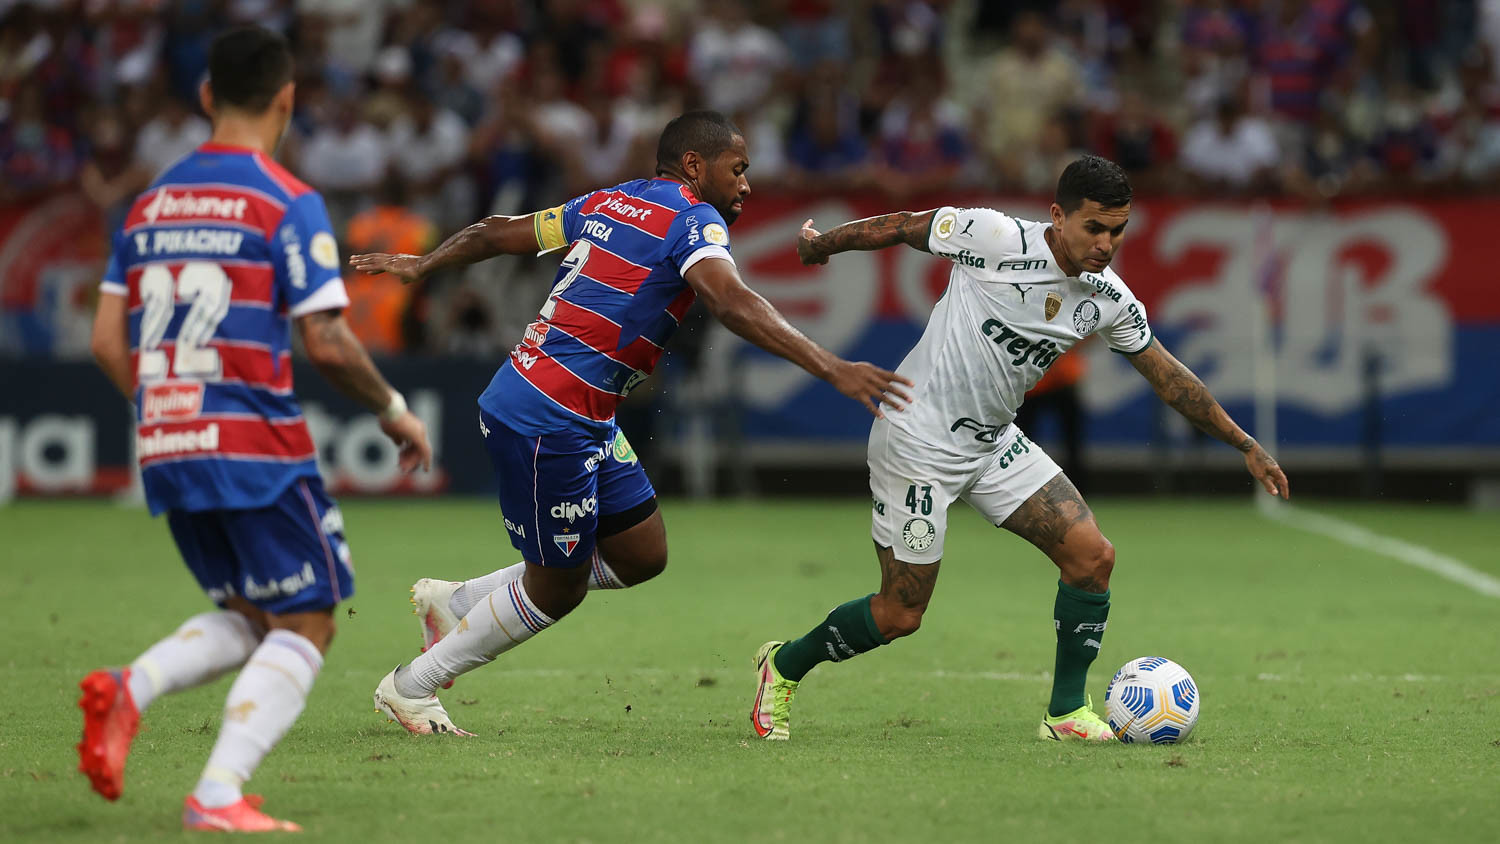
{"points": [[1407, 146], [379, 305], [1331, 162], [1471, 150], [173, 133], [471, 327], [814, 32], [1027, 81], [37, 156], [450, 86], [1231, 152], [1302, 46], [111, 178], [826, 150], [1137, 140], [921, 139], [354, 29], [428, 145], [1041, 164], [734, 62], [345, 159]]}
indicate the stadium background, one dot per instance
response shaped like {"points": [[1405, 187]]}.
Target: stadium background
{"points": [[1336, 158]]}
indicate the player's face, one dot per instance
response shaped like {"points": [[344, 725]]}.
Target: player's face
{"points": [[724, 185], [1091, 235]]}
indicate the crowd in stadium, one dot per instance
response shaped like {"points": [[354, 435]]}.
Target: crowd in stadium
{"points": [[416, 117]]}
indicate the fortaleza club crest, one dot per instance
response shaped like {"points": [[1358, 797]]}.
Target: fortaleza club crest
{"points": [[1051, 306], [1085, 316], [918, 534], [566, 542]]}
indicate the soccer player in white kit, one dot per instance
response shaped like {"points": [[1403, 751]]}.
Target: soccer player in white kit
{"points": [[1021, 293]]}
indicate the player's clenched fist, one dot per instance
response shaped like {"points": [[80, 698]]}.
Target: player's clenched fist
{"points": [[408, 268], [870, 385], [807, 249]]}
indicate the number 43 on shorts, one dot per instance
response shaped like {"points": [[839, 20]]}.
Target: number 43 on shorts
{"points": [[924, 503]]}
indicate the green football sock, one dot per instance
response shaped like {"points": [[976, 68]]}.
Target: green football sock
{"points": [[1080, 619], [848, 631]]}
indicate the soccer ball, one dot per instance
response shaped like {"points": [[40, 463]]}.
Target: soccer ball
{"points": [[1152, 699]]}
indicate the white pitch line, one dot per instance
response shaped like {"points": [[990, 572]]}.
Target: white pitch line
{"points": [[1427, 559]]}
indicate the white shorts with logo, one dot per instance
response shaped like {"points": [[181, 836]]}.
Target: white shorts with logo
{"points": [[913, 484]]}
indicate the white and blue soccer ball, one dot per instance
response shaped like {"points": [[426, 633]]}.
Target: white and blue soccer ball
{"points": [[1152, 699]]}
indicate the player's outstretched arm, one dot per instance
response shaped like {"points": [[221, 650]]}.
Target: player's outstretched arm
{"points": [[908, 227], [492, 236], [1186, 393], [110, 342], [342, 359], [749, 315]]}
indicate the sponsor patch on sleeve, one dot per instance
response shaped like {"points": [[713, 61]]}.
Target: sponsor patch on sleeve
{"points": [[324, 250], [943, 228]]}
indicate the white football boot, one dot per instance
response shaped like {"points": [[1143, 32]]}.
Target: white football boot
{"points": [[420, 716]]}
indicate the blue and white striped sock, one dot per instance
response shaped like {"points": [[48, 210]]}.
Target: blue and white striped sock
{"points": [[474, 591]]}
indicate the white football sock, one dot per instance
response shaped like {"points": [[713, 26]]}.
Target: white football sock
{"points": [[467, 596], [504, 619], [203, 649], [262, 705]]}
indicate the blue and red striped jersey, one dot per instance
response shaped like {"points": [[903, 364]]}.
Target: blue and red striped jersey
{"points": [[216, 258], [619, 296]]}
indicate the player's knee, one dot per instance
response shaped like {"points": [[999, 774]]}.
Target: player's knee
{"points": [[895, 620], [1090, 569], [643, 567]]}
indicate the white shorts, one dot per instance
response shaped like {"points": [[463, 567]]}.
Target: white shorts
{"points": [[913, 483]]}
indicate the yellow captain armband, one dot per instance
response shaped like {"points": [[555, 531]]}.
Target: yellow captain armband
{"points": [[549, 229]]}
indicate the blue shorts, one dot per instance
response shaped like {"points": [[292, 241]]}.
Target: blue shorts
{"points": [[555, 487], [288, 557]]}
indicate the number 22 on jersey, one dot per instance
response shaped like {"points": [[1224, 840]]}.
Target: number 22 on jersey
{"points": [[205, 284]]}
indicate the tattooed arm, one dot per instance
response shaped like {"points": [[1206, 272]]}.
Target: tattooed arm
{"points": [[1185, 393], [497, 235], [342, 359], [908, 227]]}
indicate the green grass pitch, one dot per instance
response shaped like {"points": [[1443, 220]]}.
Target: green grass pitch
{"points": [[1346, 696]]}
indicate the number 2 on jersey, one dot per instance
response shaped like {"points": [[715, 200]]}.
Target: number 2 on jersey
{"points": [[206, 285], [925, 502], [574, 261]]}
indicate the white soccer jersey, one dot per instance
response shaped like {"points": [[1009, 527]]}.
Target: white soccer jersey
{"points": [[1009, 312]]}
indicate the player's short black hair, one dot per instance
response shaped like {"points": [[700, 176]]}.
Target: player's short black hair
{"points": [[247, 65], [1092, 177], [707, 133]]}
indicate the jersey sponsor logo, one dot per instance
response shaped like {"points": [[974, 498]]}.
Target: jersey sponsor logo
{"points": [[598, 230], [1051, 306], [566, 542], [878, 505], [983, 433], [193, 241], [1042, 353], [623, 209], [715, 234], [634, 381], [166, 205], [324, 250], [918, 534], [1021, 265], [965, 258], [622, 450], [1102, 286], [1137, 320], [518, 530], [526, 359], [162, 443], [573, 512], [333, 521], [296, 266], [1019, 447], [171, 402], [595, 459], [1085, 316], [536, 334], [289, 585], [945, 225]]}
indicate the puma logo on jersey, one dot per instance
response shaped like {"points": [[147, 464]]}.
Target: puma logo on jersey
{"points": [[1039, 352]]}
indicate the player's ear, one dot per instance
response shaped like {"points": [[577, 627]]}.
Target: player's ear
{"points": [[285, 99], [206, 98], [1057, 215], [692, 165]]}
